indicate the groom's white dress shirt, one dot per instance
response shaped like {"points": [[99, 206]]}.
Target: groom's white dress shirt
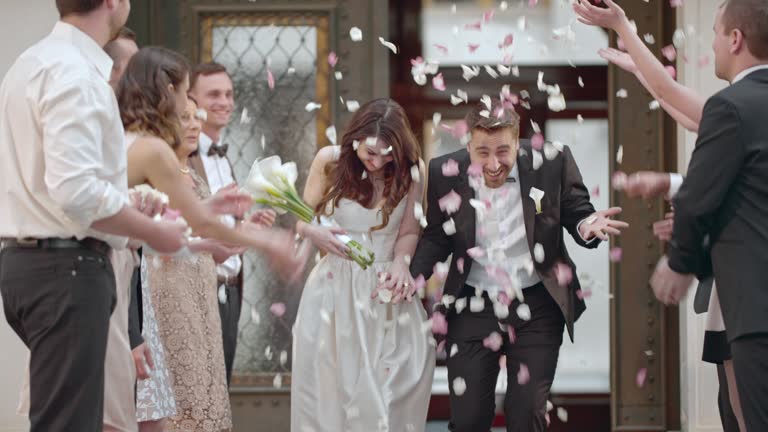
{"points": [[63, 163]]}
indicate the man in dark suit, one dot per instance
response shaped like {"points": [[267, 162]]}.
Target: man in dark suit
{"points": [[725, 196], [514, 203]]}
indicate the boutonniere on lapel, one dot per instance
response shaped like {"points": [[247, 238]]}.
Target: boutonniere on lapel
{"points": [[536, 195]]}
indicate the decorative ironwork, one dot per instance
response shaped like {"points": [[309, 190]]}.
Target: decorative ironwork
{"points": [[270, 119]]}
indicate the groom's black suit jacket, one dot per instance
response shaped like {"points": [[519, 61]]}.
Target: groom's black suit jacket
{"points": [[565, 204], [725, 196]]}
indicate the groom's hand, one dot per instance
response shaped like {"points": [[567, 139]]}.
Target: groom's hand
{"points": [[669, 286], [600, 225]]}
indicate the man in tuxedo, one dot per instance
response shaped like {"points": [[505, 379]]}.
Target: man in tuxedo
{"points": [[725, 197], [211, 87], [510, 268]]}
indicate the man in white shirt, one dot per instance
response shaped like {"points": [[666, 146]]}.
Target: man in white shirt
{"points": [[511, 287], [211, 86], [65, 204]]}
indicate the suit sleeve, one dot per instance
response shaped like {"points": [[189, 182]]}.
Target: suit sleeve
{"points": [[714, 167], [574, 200], [434, 245]]}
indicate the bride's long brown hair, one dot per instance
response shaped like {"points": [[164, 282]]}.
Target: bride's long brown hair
{"points": [[384, 119]]}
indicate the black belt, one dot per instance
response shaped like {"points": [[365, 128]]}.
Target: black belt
{"points": [[57, 243]]}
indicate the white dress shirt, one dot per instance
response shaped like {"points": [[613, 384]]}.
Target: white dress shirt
{"points": [[219, 174], [500, 233], [63, 163]]}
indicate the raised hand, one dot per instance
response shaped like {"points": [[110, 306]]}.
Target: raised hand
{"points": [[669, 286], [645, 184], [230, 201], [611, 17], [287, 260], [324, 238], [263, 218], [168, 236], [600, 224], [619, 58]]}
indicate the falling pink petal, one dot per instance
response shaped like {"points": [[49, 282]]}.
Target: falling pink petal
{"points": [[417, 61], [507, 60], [669, 52], [419, 282], [439, 324], [502, 361], [277, 309], [671, 71], [640, 378], [460, 265], [595, 192], [523, 376], [488, 16], [675, 3], [615, 254], [475, 170], [533, 3], [333, 59], [270, 79], [481, 231], [450, 203], [440, 270], [511, 334], [329, 275], [503, 298], [493, 342], [171, 214], [546, 417], [438, 83], [583, 294], [442, 48], [476, 252], [474, 26], [459, 129], [537, 141], [473, 47], [508, 39], [450, 168], [703, 60], [563, 274]]}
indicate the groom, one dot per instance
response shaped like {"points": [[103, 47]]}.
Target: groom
{"points": [[517, 242]]}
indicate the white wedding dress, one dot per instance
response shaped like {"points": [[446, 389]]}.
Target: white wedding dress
{"points": [[359, 365]]}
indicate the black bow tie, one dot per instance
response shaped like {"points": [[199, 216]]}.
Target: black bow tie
{"points": [[510, 180], [218, 150]]}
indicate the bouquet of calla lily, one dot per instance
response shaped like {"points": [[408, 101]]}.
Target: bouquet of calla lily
{"points": [[273, 183]]}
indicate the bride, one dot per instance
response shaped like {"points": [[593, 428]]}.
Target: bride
{"points": [[358, 363]]}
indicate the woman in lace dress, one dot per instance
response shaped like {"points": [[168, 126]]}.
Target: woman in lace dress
{"points": [[182, 290], [360, 364]]}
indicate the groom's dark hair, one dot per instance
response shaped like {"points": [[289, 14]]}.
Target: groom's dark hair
{"points": [[751, 17], [499, 116], [68, 7]]}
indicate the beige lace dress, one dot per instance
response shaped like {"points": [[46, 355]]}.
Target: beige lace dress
{"points": [[186, 309]]}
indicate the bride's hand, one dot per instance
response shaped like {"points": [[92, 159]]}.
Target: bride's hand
{"points": [[324, 238], [399, 281]]}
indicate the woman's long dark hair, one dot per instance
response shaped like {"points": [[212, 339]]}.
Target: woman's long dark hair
{"points": [[146, 103], [384, 119]]}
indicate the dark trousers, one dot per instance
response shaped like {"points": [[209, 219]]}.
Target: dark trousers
{"points": [[536, 348], [727, 417], [230, 317], [59, 302], [750, 364]]}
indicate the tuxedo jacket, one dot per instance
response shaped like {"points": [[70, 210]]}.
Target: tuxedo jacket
{"points": [[725, 196], [565, 203]]}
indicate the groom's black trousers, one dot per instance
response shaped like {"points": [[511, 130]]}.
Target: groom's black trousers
{"points": [[536, 347]]}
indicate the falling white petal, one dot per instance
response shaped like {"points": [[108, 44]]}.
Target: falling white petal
{"points": [[338, 75], [244, 118], [331, 134], [476, 304], [455, 100], [524, 312], [463, 95], [459, 386], [537, 159], [449, 227], [436, 117], [353, 105], [622, 93], [454, 350], [492, 72], [415, 174], [278, 381], [283, 357], [653, 105], [355, 145], [538, 253], [387, 44], [355, 34], [620, 154], [312, 106]]}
